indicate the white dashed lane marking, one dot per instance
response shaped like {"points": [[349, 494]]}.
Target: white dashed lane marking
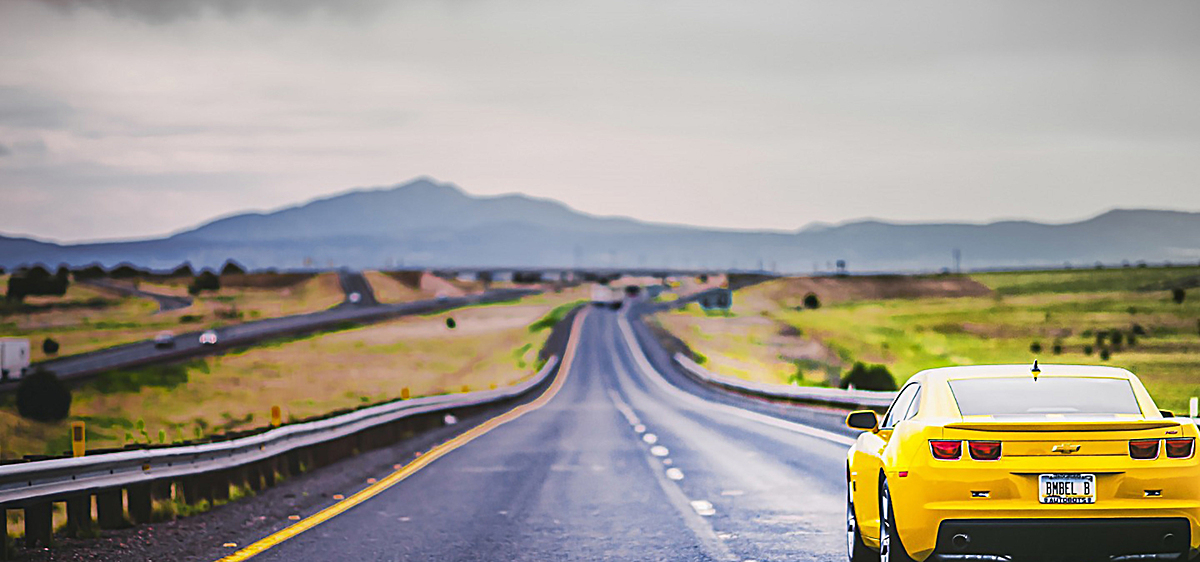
{"points": [[703, 508], [677, 475], [659, 451]]}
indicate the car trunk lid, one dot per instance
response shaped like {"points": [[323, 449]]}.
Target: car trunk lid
{"points": [[1051, 437]]}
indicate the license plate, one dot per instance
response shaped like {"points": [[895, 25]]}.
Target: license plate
{"points": [[1067, 488]]}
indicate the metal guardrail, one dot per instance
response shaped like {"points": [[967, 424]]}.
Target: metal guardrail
{"points": [[869, 399], [39, 482]]}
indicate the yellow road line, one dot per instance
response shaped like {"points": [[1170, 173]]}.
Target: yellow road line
{"points": [[411, 468]]}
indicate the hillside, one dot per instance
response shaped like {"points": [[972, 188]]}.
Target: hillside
{"points": [[424, 223]]}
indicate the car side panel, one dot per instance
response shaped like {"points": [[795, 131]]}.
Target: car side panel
{"points": [[865, 465]]}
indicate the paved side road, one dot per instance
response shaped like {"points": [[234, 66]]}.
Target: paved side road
{"points": [[355, 283], [622, 463], [166, 303]]}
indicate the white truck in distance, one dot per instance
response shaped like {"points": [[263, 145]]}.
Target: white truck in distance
{"points": [[603, 295], [14, 357]]}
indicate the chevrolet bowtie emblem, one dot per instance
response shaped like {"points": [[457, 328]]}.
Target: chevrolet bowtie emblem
{"points": [[1065, 448]]}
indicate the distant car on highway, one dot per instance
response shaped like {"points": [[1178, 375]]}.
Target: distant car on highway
{"points": [[354, 298], [1012, 463], [164, 339], [442, 296], [209, 337]]}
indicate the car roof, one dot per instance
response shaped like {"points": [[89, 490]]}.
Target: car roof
{"points": [[1023, 370]]}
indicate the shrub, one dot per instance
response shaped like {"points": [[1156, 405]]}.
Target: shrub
{"points": [[450, 323], [42, 397], [94, 271], [1035, 347], [37, 281], [127, 271], [1087, 350], [811, 301], [527, 277], [1131, 340], [49, 346], [1137, 329], [1101, 336], [206, 281], [1105, 354], [1178, 295], [1117, 338], [184, 270], [232, 268], [1057, 349], [869, 377]]}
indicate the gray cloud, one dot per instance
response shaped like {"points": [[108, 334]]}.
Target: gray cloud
{"points": [[765, 114], [167, 11], [4, 151], [27, 108]]}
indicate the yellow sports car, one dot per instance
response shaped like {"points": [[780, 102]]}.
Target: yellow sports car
{"points": [[1006, 462]]}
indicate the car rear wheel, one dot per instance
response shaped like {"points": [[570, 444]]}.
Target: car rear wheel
{"points": [[858, 551], [890, 547]]}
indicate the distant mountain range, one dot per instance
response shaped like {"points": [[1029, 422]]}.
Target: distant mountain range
{"points": [[428, 224]]}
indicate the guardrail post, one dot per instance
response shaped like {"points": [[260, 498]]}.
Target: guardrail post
{"points": [[39, 525], [220, 485], [140, 506], [79, 516], [293, 463], [109, 509], [191, 489], [240, 477], [160, 490], [6, 544], [268, 473]]}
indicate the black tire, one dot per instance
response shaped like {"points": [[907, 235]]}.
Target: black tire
{"points": [[891, 549], [856, 549]]}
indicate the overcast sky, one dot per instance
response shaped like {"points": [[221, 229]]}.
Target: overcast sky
{"points": [[133, 118]]}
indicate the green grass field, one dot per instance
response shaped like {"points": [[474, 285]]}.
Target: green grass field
{"points": [[1053, 310]]}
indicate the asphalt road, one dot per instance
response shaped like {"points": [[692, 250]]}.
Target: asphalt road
{"points": [[355, 283], [629, 460], [187, 344], [166, 303]]}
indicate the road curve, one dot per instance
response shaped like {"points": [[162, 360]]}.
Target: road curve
{"points": [[624, 462], [166, 303]]}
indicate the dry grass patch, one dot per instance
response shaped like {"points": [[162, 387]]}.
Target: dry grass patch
{"points": [[389, 290], [490, 345]]}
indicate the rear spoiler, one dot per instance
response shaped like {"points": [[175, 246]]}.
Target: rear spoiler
{"points": [[1049, 426]]}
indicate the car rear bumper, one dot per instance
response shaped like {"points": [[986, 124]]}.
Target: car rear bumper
{"points": [[1141, 538]]}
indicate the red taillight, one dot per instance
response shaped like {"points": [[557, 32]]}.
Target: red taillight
{"points": [[1180, 448], [984, 450], [1144, 449], [946, 450]]}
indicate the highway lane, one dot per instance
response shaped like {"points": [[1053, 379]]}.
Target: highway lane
{"points": [[187, 344], [619, 465]]}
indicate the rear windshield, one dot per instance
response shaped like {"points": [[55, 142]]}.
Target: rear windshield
{"points": [[1048, 395]]}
